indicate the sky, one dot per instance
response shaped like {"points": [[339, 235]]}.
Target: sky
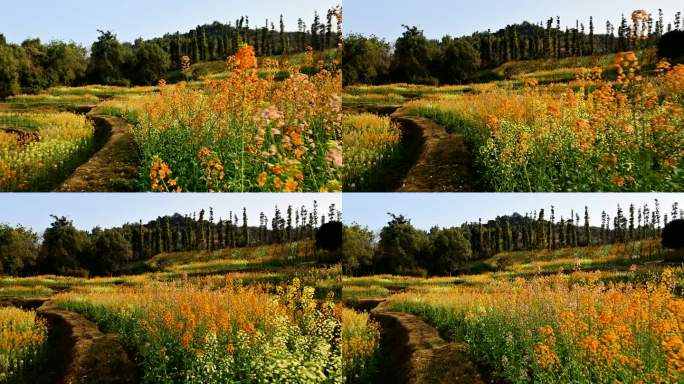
{"points": [[453, 209], [79, 20], [107, 210], [437, 18]]}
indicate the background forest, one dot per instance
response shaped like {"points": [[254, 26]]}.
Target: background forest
{"points": [[414, 58], [402, 249], [33, 65], [65, 250]]}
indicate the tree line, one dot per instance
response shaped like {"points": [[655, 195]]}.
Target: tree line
{"points": [[402, 249], [65, 250], [413, 58], [33, 66]]}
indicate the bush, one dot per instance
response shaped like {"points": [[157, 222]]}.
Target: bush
{"points": [[673, 235], [671, 46]]}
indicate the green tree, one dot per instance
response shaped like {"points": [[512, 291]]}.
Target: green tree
{"points": [[18, 250], [357, 250], [457, 60], [365, 60], [111, 250], [413, 57], [399, 247], [448, 250], [150, 62], [107, 60]]}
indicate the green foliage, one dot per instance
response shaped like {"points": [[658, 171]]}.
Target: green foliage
{"points": [[110, 251], [64, 248], [108, 59], [399, 247], [457, 60], [18, 249], [366, 60], [413, 55], [357, 250], [149, 63], [449, 249]]}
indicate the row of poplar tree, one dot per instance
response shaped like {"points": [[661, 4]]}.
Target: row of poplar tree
{"points": [[414, 58], [400, 248], [217, 41], [201, 232], [65, 250]]}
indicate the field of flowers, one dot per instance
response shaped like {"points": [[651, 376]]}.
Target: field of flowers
{"points": [[562, 328], [22, 340], [371, 145], [189, 334], [54, 99], [360, 346], [38, 150], [244, 133], [588, 135]]}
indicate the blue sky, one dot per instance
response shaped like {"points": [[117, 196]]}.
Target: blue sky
{"points": [[79, 20], [453, 209], [458, 17], [88, 210]]}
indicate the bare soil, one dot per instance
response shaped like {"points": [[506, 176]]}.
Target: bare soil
{"points": [[414, 352], [443, 162], [113, 168], [93, 356]]}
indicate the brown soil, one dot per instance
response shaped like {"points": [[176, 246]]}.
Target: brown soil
{"points": [[419, 355], [93, 357], [114, 168], [443, 162], [414, 352]]}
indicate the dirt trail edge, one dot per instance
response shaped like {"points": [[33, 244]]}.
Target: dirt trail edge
{"points": [[444, 162], [94, 357], [415, 352], [114, 167]]}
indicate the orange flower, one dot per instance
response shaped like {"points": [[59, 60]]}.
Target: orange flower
{"points": [[277, 183], [262, 179]]}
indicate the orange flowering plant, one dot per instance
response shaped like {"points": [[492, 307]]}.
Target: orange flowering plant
{"points": [[246, 133], [563, 328], [219, 333], [592, 134]]}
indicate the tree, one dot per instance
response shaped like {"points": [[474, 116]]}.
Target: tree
{"points": [[110, 251], [67, 63], [64, 248], [150, 62], [329, 236], [365, 60], [670, 46], [457, 60], [9, 71], [107, 60], [448, 250], [673, 235], [18, 250], [399, 246], [412, 59], [357, 250]]}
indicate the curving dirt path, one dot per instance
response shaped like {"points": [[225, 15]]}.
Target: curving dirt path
{"points": [[77, 351], [443, 162], [415, 353], [114, 167], [94, 357]]}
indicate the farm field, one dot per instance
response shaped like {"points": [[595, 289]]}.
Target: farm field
{"points": [[503, 111], [487, 302], [210, 303], [220, 108]]}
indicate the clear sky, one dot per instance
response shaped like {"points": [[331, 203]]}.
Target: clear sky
{"points": [[453, 209], [79, 20], [88, 210], [459, 17]]}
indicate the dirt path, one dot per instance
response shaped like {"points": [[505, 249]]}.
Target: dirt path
{"points": [[414, 352], [113, 168], [77, 351], [94, 357], [443, 162]]}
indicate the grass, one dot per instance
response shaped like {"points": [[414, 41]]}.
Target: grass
{"points": [[360, 347]]}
